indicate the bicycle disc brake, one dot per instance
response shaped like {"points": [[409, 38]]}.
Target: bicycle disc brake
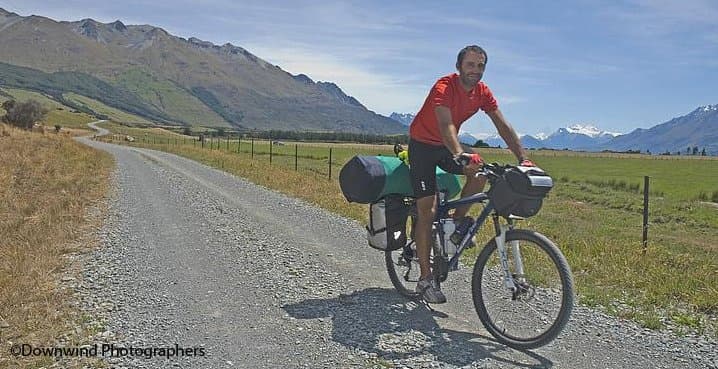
{"points": [[524, 291]]}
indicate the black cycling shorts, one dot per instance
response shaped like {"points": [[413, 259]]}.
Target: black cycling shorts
{"points": [[423, 160]]}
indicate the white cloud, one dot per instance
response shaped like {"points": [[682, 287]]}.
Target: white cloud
{"points": [[379, 92]]}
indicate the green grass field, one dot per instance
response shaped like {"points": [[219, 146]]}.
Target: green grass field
{"points": [[594, 214], [100, 108], [57, 113]]}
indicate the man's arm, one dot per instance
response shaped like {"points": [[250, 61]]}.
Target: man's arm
{"points": [[508, 134], [449, 135]]}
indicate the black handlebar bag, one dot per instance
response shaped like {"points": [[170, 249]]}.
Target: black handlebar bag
{"points": [[520, 191]]}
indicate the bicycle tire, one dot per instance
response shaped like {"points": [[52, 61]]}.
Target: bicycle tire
{"points": [[405, 288], [567, 294]]}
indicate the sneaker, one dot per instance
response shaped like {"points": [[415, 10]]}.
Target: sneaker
{"points": [[430, 291], [462, 226]]}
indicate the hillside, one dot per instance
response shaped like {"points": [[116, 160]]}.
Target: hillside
{"points": [[698, 128], [146, 71]]}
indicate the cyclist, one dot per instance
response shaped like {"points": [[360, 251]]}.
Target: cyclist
{"points": [[434, 141]]}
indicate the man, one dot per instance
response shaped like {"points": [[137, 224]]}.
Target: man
{"points": [[434, 141]]}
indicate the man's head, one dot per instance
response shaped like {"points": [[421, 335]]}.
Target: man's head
{"points": [[471, 63]]}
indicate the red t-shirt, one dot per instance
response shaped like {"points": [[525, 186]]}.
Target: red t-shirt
{"points": [[447, 91]]}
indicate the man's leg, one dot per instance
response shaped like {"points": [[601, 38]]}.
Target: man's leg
{"points": [[425, 208], [422, 168], [473, 185]]}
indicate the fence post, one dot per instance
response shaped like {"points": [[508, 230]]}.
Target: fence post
{"points": [[239, 144], [330, 163], [270, 152], [227, 143], [252, 157], [295, 156], [645, 213]]}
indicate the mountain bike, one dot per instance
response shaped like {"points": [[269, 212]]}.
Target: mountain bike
{"points": [[521, 284]]}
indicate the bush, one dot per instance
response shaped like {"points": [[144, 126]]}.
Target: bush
{"points": [[23, 114]]}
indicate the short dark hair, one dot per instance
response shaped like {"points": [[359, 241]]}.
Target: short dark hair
{"points": [[474, 48]]}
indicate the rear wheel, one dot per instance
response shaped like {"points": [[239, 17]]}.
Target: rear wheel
{"points": [[539, 309], [403, 268]]}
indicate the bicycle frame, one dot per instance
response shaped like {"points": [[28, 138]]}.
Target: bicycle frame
{"points": [[443, 212]]}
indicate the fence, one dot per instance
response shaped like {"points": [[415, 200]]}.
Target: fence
{"points": [[275, 149]]}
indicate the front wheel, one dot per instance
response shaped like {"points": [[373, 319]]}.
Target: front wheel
{"points": [[538, 309]]}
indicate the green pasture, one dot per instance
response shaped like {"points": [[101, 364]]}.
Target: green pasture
{"points": [[57, 113]]}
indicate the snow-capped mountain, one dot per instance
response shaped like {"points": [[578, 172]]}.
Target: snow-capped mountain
{"points": [[575, 137], [587, 130], [578, 137], [698, 128], [540, 136], [403, 118], [467, 138]]}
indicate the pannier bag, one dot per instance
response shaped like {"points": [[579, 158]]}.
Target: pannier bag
{"points": [[520, 191], [365, 179], [387, 223]]}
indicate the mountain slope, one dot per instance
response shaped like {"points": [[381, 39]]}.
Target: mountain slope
{"points": [[403, 118], [698, 128], [217, 83], [577, 137]]}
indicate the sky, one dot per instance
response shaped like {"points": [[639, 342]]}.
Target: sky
{"points": [[616, 65]]}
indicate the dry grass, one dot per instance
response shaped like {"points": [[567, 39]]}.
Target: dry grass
{"points": [[47, 184]]}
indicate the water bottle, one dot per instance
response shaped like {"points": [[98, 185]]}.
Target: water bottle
{"points": [[461, 229], [448, 226]]}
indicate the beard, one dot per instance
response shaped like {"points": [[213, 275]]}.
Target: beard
{"points": [[470, 80]]}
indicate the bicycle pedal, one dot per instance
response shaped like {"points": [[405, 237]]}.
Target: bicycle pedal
{"points": [[428, 306]]}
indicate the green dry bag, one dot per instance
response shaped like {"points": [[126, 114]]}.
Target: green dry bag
{"points": [[365, 179]]}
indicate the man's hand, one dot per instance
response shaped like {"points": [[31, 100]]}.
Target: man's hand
{"points": [[526, 163], [466, 158], [471, 162]]}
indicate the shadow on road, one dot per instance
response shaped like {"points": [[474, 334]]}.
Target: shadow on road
{"points": [[380, 321]]}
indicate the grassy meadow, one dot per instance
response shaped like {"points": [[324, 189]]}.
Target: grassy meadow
{"points": [[594, 214], [57, 113], [100, 108]]}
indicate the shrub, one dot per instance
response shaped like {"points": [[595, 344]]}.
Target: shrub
{"points": [[23, 114]]}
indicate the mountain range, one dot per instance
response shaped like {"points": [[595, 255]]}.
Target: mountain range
{"points": [[167, 79], [698, 128]]}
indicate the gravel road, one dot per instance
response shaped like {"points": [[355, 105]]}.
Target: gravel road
{"points": [[249, 278]]}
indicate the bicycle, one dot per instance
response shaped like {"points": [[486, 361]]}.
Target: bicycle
{"points": [[515, 269]]}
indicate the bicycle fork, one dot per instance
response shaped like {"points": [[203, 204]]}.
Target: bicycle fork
{"points": [[504, 258]]}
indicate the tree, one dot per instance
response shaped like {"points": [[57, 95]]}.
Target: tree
{"points": [[481, 143], [187, 131], [703, 153], [695, 150], [23, 114]]}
